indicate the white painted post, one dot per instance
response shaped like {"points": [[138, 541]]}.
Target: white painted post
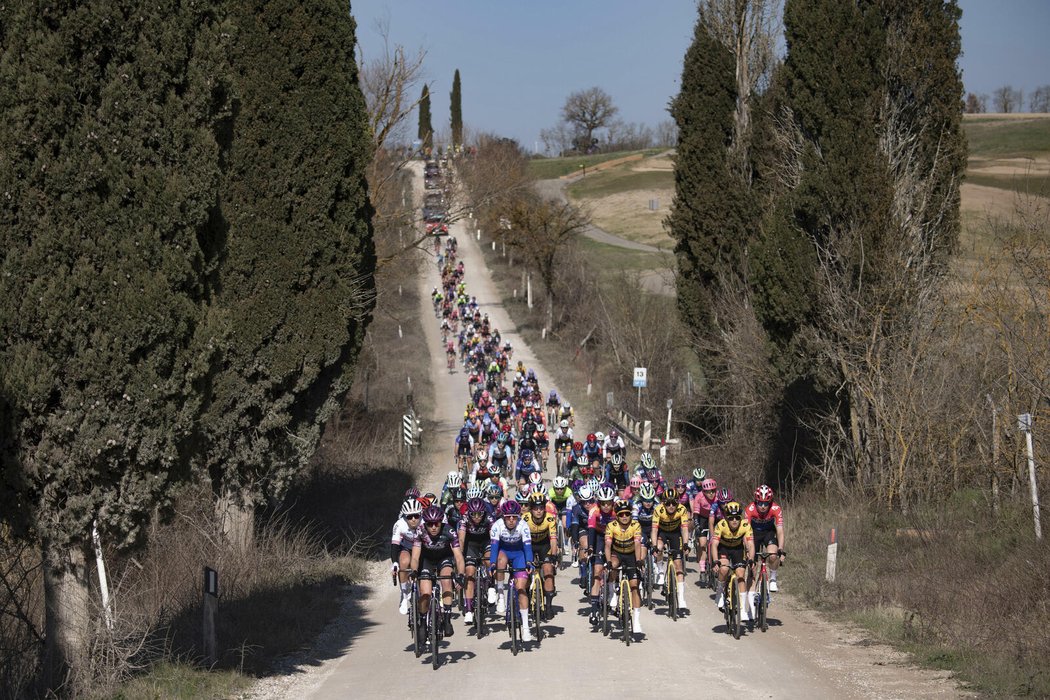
{"points": [[833, 552], [1025, 423], [528, 287], [493, 246], [399, 333], [210, 608], [663, 456], [588, 388], [103, 583], [479, 234], [670, 402]]}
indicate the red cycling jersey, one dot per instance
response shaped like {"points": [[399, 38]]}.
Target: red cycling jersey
{"points": [[774, 517]]}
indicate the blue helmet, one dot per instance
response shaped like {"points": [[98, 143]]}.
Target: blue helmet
{"points": [[526, 456]]}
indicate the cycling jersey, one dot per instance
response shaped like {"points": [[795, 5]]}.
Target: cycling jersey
{"points": [[774, 518], [522, 471], [437, 547], [516, 544], [542, 529], [644, 515], [597, 521], [559, 498], [728, 538], [623, 539], [403, 538], [671, 521], [701, 506]]}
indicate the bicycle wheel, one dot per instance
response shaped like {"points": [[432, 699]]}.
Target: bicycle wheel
{"points": [[672, 591], [414, 614], [736, 630], [537, 607], [605, 606], [480, 601], [650, 567], [435, 620], [561, 543], [763, 603], [512, 620], [626, 623]]}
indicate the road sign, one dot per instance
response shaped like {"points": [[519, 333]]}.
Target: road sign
{"points": [[640, 375]]}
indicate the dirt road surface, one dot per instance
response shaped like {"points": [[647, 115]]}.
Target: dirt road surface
{"points": [[368, 654]]}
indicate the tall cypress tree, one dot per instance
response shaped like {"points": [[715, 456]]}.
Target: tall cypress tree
{"points": [[296, 281], [456, 102], [109, 166], [710, 213], [426, 130]]}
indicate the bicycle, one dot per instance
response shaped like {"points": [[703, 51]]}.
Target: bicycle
{"points": [[732, 605], [536, 602], [671, 584], [481, 603], [605, 600], [712, 568], [433, 622], [647, 578], [563, 541], [414, 618], [623, 608], [513, 618], [762, 575], [451, 361]]}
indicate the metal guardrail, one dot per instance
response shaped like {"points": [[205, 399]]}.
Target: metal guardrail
{"points": [[637, 432]]}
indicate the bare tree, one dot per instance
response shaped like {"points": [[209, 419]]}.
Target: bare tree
{"points": [[558, 138], [588, 110], [666, 133], [1007, 99], [976, 104], [749, 29], [1039, 100], [628, 136], [540, 229]]}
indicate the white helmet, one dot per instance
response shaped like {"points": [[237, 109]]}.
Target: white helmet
{"points": [[504, 403], [454, 480], [475, 491], [564, 424], [560, 482], [411, 507], [585, 493], [600, 436], [535, 478], [606, 494], [566, 405]]}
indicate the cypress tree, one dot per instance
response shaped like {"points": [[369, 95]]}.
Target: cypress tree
{"points": [[296, 280], [710, 215], [108, 168], [426, 130], [456, 102]]}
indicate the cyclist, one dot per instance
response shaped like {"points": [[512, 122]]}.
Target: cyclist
{"points": [[597, 520], [511, 546], [452, 482], [692, 487], [767, 524], [644, 511], [592, 449], [701, 506], [455, 510], [733, 545], [724, 495], [670, 531], [582, 470], [405, 532], [565, 413], [464, 446], [614, 445], [560, 493], [623, 551], [526, 467], [474, 536], [645, 463], [543, 442], [434, 553], [500, 453], [544, 530], [616, 471], [576, 522], [553, 406]]}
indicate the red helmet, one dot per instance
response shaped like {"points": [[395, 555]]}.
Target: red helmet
{"points": [[591, 437], [764, 494], [577, 445]]}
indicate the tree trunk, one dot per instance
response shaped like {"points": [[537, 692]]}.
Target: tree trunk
{"points": [[67, 600], [236, 515], [550, 312]]}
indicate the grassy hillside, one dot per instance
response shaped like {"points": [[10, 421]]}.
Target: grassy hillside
{"points": [[999, 136], [548, 168]]}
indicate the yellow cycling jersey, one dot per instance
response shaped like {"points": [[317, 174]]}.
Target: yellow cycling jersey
{"points": [[542, 529], [623, 538], [728, 538], [670, 521]]}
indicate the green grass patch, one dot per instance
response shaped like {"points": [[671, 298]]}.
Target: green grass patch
{"points": [[177, 680], [548, 168], [613, 259], [1007, 138], [621, 179], [1024, 184]]}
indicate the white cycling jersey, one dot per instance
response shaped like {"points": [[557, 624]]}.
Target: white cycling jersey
{"points": [[403, 534], [507, 538], [563, 434], [616, 445]]}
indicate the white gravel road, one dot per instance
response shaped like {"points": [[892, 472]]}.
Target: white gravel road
{"points": [[367, 653]]}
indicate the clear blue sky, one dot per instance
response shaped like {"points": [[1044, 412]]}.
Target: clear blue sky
{"points": [[518, 60]]}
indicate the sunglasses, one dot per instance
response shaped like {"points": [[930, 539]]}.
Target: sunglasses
{"points": [[733, 517], [413, 517]]}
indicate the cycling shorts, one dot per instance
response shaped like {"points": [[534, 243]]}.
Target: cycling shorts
{"points": [[735, 555], [476, 552], [672, 540], [516, 560], [628, 564], [541, 552], [763, 538]]}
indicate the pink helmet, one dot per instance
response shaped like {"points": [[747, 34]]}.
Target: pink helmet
{"points": [[709, 485]]}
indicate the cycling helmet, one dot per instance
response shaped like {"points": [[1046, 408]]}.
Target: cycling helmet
{"points": [[586, 493], [540, 429], [412, 506], [636, 482], [522, 496], [559, 483], [454, 479], [433, 514], [709, 485], [464, 432], [564, 425], [594, 484], [679, 483], [652, 474], [459, 494], [605, 494], [526, 456], [537, 499], [617, 459], [504, 403], [699, 474], [763, 494], [724, 495], [535, 478], [528, 404], [671, 495], [586, 470], [493, 490], [577, 446], [622, 506], [510, 508], [566, 405], [647, 460], [732, 510], [600, 436], [647, 492], [475, 491], [412, 493], [583, 461], [591, 437], [553, 394], [476, 505], [614, 433]]}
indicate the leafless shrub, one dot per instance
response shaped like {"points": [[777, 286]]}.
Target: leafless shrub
{"points": [[21, 616]]}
